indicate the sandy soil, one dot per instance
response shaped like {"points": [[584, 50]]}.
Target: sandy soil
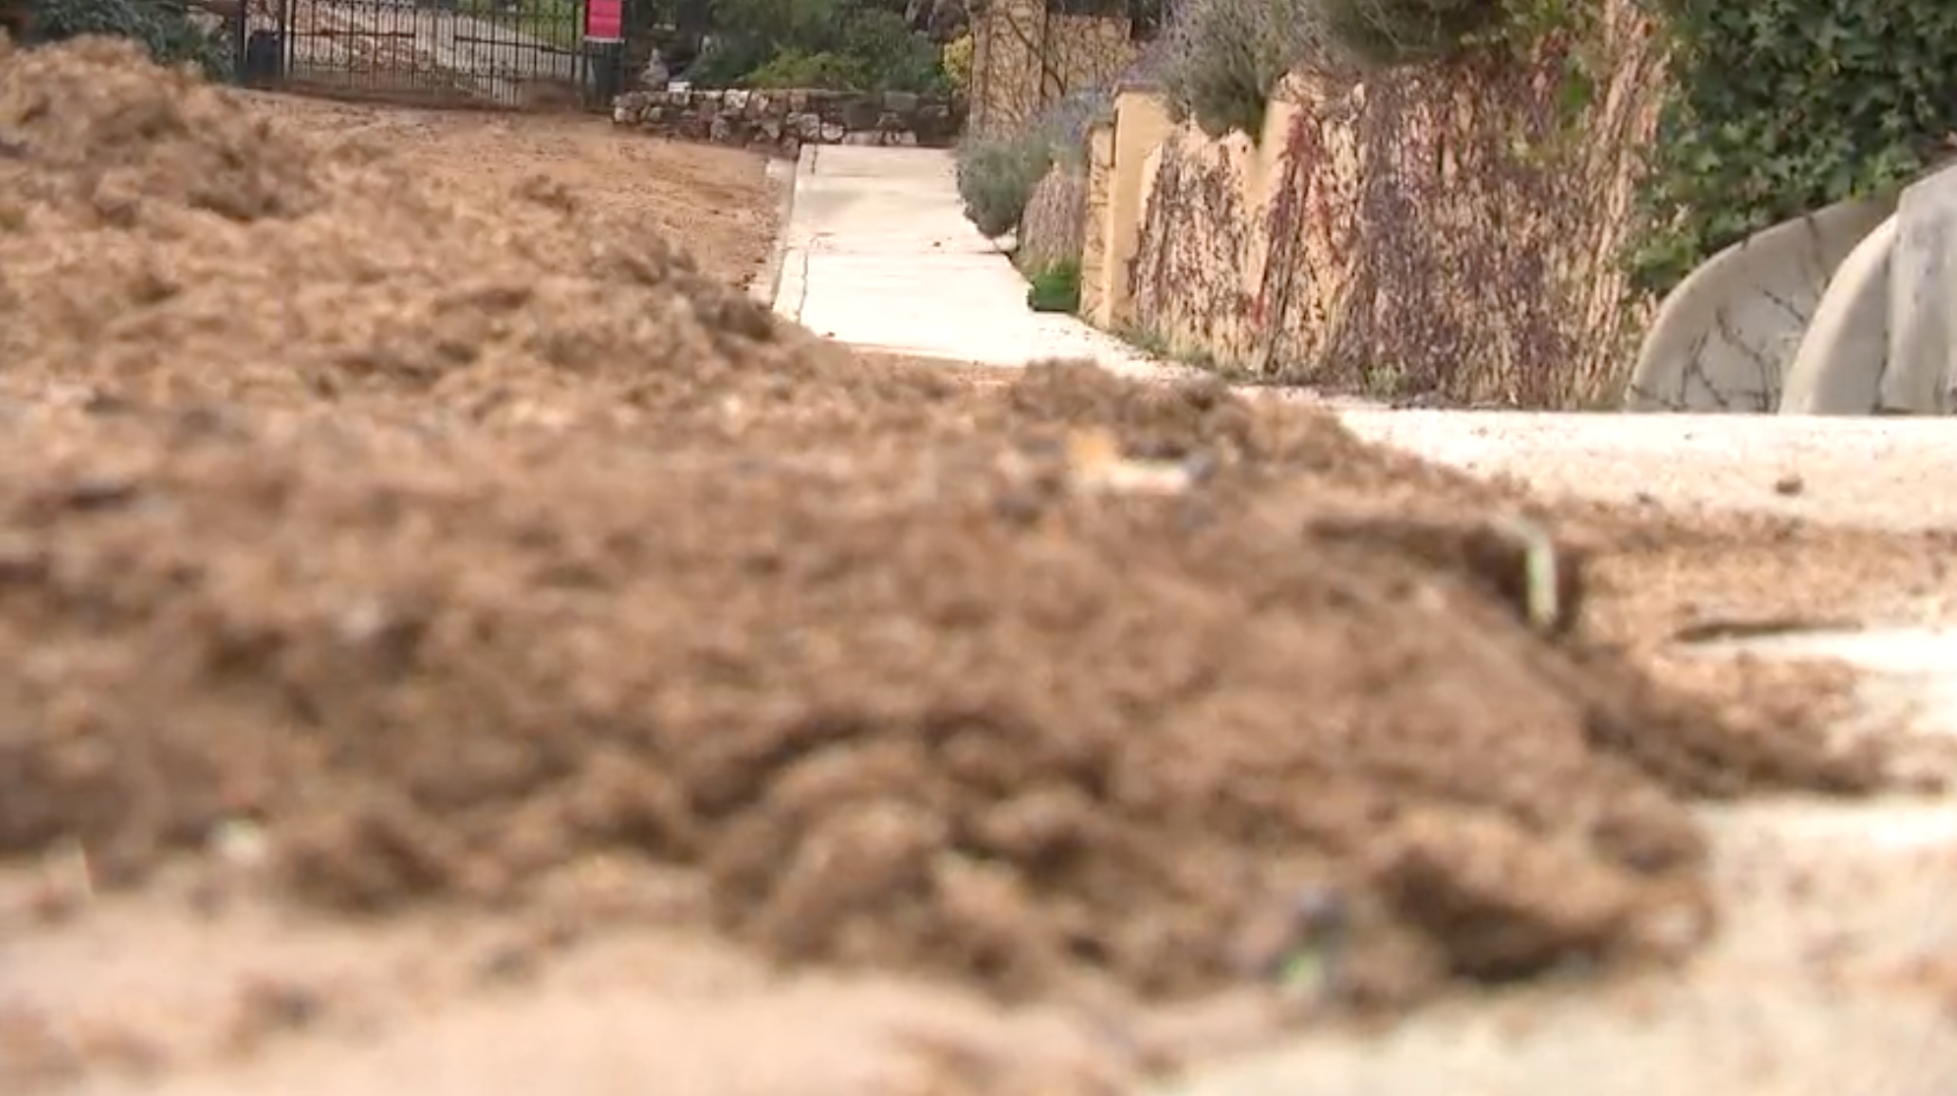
{"points": [[715, 199], [418, 575]]}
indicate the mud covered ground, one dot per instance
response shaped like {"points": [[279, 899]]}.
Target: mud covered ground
{"points": [[428, 534]]}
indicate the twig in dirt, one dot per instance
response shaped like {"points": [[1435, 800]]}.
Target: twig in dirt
{"points": [[1512, 558], [1542, 582], [1710, 631]]}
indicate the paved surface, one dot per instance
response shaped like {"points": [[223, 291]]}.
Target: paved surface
{"points": [[877, 253], [1892, 472], [1837, 970]]}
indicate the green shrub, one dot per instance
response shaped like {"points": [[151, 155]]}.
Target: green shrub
{"points": [[165, 29], [1055, 289], [831, 44], [727, 61], [1383, 33], [997, 177], [1065, 125], [794, 69], [895, 57], [1225, 58]]}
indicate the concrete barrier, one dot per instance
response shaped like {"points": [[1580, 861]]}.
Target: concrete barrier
{"points": [[1724, 339], [1839, 367], [1922, 345]]}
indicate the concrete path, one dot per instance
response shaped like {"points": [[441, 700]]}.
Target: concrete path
{"points": [[878, 253], [1837, 971], [1898, 473]]}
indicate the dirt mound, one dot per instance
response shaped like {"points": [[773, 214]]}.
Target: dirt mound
{"points": [[144, 209], [961, 708], [1066, 677]]}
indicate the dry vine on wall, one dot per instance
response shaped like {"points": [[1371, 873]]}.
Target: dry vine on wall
{"points": [[1483, 229], [1193, 238], [1452, 233]]}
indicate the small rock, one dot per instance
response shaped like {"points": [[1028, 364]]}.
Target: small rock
{"points": [[240, 843], [267, 1008], [107, 492], [655, 75]]}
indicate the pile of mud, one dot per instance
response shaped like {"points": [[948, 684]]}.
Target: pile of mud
{"points": [[960, 709], [143, 209], [1065, 678]]}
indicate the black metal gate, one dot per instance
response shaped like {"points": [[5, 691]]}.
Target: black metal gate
{"points": [[521, 54]]}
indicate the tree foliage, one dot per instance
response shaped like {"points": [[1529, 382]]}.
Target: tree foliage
{"points": [[164, 27], [842, 44]]}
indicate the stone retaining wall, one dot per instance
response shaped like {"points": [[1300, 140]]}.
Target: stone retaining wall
{"points": [[1431, 232], [783, 121]]}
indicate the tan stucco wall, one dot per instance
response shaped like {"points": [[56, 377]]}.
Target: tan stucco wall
{"points": [[1097, 227], [1423, 232], [1024, 58], [1115, 202]]}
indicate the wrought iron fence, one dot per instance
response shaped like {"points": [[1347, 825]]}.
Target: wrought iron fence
{"points": [[521, 54]]}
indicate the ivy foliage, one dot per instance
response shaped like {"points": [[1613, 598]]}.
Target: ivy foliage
{"points": [[1779, 107], [164, 27]]}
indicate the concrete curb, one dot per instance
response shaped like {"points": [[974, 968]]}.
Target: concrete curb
{"points": [[791, 261], [766, 287]]}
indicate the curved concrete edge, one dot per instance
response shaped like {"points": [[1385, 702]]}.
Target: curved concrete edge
{"points": [[1839, 367], [790, 288], [1921, 377], [1722, 339], [766, 284]]}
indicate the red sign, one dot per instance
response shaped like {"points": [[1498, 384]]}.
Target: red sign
{"points": [[604, 20]]}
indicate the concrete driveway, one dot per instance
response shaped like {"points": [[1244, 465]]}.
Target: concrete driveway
{"points": [[1835, 912], [876, 253]]}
